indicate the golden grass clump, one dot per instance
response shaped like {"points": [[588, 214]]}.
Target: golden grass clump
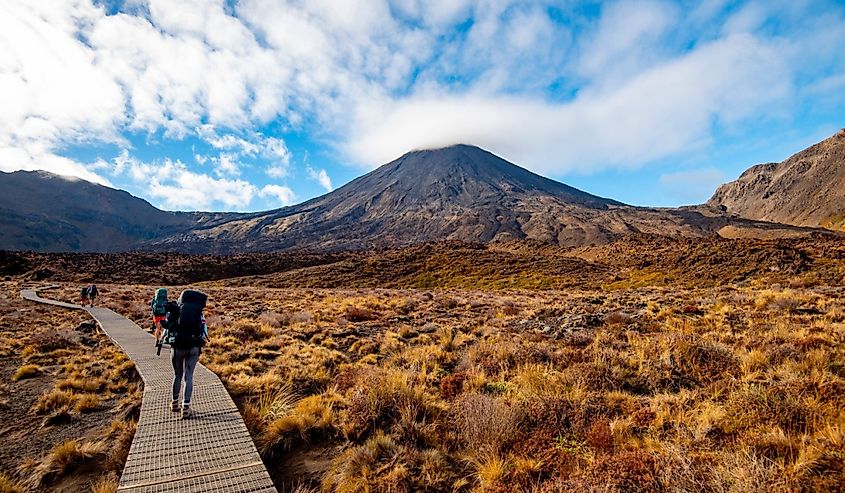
{"points": [[87, 403], [485, 424], [309, 419], [9, 485], [64, 458], [26, 371], [379, 398], [106, 484], [382, 464], [53, 400]]}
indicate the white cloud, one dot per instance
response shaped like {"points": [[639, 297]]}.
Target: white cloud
{"points": [[629, 39], [29, 159], [276, 171], [662, 111], [177, 187], [282, 194], [381, 77], [278, 155], [226, 165], [321, 177]]}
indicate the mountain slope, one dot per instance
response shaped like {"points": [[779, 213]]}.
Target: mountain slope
{"points": [[45, 212], [808, 189], [456, 193]]}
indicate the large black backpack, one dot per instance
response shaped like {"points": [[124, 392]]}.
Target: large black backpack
{"points": [[189, 321]]}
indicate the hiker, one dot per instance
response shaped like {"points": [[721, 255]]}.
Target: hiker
{"points": [[159, 311], [92, 294], [187, 334], [83, 296]]}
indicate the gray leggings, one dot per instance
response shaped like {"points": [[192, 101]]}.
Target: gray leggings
{"points": [[184, 361]]}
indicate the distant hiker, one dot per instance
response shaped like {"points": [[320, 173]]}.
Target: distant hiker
{"points": [[92, 294], [83, 296], [187, 333], [159, 311]]}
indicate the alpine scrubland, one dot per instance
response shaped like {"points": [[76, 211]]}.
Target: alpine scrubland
{"points": [[636, 366], [69, 400]]}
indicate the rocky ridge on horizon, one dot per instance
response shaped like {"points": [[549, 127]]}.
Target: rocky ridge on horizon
{"points": [[458, 193], [807, 189]]}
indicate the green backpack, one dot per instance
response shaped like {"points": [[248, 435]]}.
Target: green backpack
{"points": [[159, 301]]}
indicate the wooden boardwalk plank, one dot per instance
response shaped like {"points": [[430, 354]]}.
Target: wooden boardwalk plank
{"points": [[210, 452]]}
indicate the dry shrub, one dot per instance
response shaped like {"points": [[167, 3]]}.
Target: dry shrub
{"points": [[627, 471], [446, 337], [246, 330], [774, 445], [617, 319], [491, 470], [484, 424], [124, 372], [9, 485], [595, 376], [87, 403], [81, 384], [45, 341], [120, 438], [743, 470], [599, 435], [302, 318], [274, 319], [276, 403], [510, 310], [703, 361], [356, 314], [492, 358], [452, 385], [106, 484], [771, 404], [783, 352]]}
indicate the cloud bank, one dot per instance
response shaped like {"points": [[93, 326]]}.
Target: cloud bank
{"points": [[556, 86]]}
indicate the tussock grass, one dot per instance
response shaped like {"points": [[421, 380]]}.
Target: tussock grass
{"points": [[26, 371], [107, 484], [9, 485], [64, 458], [53, 400], [628, 389]]}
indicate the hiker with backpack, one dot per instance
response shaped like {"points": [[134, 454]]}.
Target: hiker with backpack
{"points": [[83, 296], [92, 294], [159, 312], [186, 334]]}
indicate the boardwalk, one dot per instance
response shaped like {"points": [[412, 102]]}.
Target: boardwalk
{"points": [[211, 452]]}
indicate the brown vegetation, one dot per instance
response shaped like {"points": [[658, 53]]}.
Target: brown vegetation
{"points": [[685, 366], [67, 401]]}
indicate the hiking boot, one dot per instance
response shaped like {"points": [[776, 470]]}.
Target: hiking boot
{"points": [[186, 410], [174, 405]]}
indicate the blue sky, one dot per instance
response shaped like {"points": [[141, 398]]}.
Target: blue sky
{"points": [[256, 104]]}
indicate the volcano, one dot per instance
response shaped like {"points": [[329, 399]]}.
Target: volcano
{"points": [[457, 193], [461, 193]]}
